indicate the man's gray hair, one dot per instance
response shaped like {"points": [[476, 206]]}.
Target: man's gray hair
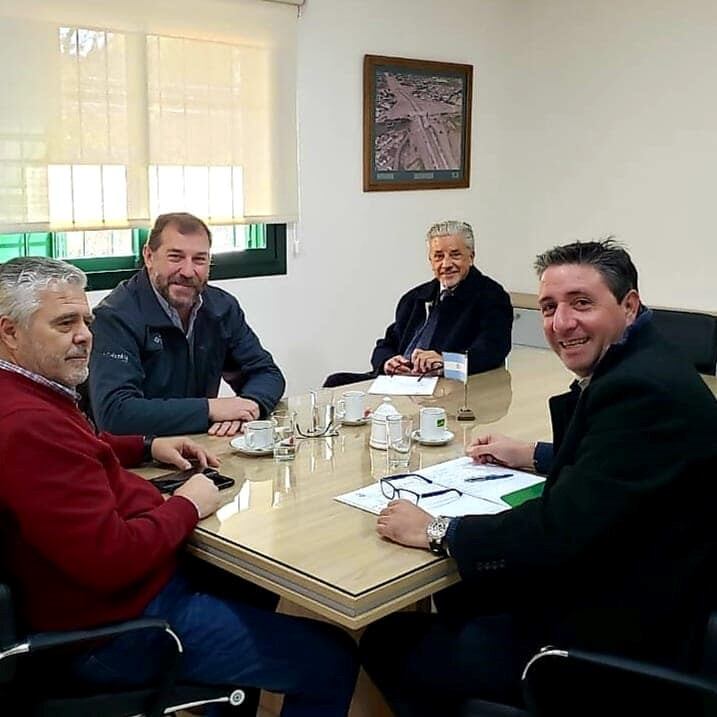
{"points": [[22, 280], [450, 227]]}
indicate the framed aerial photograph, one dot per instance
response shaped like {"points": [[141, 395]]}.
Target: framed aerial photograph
{"points": [[417, 124]]}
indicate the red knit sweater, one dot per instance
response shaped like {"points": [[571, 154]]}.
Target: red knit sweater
{"points": [[84, 540]]}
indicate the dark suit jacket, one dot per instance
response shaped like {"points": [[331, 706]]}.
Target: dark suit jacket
{"points": [[476, 318], [619, 552]]}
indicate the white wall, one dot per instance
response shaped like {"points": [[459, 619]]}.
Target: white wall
{"points": [[620, 132], [590, 118], [360, 251]]}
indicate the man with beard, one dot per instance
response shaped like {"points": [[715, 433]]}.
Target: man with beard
{"points": [[85, 542], [164, 339]]}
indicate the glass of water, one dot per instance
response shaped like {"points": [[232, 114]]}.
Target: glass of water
{"points": [[284, 435], [399, 441]]}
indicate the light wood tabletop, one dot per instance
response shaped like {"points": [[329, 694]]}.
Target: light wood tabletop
{"points": [[282, 529]]}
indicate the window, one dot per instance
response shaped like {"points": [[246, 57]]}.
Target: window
{"points": [[102, 129], [109, 256]]}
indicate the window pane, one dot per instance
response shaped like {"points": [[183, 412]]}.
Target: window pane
{"points": [[114, 192], [213, 193], [103, 243], [239, 237], [222, 239], [87, 193], [220, 193], [11, 245], [196, 188], [59, 189]]}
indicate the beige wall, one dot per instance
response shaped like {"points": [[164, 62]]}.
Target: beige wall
{"points": [[590, 117], [620, 136]]}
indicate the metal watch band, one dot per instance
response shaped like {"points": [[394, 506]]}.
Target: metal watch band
{"points": [[436, 532]]}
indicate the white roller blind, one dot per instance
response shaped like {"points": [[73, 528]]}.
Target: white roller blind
{"points": [[113, 115]]}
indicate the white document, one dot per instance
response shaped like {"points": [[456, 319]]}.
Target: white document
{"points": [[477, 489], [451, 504], [481, 481], [404, 385]]}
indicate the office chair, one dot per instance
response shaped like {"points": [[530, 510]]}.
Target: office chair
{"points": [[694, 334], [33, 682], [580, 683]]}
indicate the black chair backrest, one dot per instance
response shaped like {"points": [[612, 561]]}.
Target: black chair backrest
{"points": [[692, 333], [708, 665]]}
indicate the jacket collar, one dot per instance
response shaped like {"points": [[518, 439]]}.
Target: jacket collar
{"points": [[153, 312], [621, 347]]}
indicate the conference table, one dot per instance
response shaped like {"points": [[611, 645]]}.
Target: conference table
{"points": [[281, 528]]}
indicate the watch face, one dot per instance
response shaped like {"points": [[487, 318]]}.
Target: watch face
{"points": [[437, 529]]}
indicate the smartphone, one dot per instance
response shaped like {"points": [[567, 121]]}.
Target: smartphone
{"points": [[169, 482]]}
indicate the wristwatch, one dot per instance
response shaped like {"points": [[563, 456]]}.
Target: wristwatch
{"points": [[147, 448], [436, 532]]}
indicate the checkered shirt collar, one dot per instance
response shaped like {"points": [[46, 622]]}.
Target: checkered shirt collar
{"points": [[57, 387]]}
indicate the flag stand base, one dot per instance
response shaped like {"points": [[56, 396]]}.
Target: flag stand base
{"points": [[465, 414]]}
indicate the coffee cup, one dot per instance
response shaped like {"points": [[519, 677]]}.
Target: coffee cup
{"points": [[351, 406], [432, 423], [259, 435]]}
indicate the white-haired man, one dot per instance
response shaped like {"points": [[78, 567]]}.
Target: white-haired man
{"points": [[87, 542], [459, 310]]}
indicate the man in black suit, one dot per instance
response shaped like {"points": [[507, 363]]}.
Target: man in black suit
{"points": [[460, 310], [617, 554]]}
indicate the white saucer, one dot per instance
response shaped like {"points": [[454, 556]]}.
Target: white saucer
{"points": [[447, 437], [238, 444], [361, 421]]}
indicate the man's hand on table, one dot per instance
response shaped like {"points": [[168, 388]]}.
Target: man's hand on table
{"points": [[397, 365], [201, 491], [226, 428], [497, 448], [177, 450], [427, 361], [228, 415], [405, 523]]}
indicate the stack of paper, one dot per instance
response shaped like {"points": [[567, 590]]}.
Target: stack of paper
{"points": [[477, 489]]}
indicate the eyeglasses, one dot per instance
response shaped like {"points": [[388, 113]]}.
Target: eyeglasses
{"points": [[434, 369], [393, 492]]}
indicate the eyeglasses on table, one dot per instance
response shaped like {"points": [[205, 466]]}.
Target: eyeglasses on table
{"points": [[394, 492]]}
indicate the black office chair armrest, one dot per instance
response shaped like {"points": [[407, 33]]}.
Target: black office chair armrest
{"points": [[554, 681], [45, 641], [40, 641], [50, 640]]}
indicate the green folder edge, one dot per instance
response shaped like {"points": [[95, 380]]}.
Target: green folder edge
{"points": [[518, 497]]}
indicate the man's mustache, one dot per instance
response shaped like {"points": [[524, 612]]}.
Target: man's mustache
{"points": [[193, 283]]}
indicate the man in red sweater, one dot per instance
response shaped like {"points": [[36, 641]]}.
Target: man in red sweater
{"points": [[87, 542]]}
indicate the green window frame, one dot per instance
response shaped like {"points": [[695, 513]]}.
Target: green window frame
{"points": [[265, 255]]}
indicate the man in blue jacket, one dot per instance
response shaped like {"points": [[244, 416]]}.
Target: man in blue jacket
{"points": [[164, 339]]}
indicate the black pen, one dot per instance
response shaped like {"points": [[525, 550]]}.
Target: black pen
{"points": [[488, 476]]}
